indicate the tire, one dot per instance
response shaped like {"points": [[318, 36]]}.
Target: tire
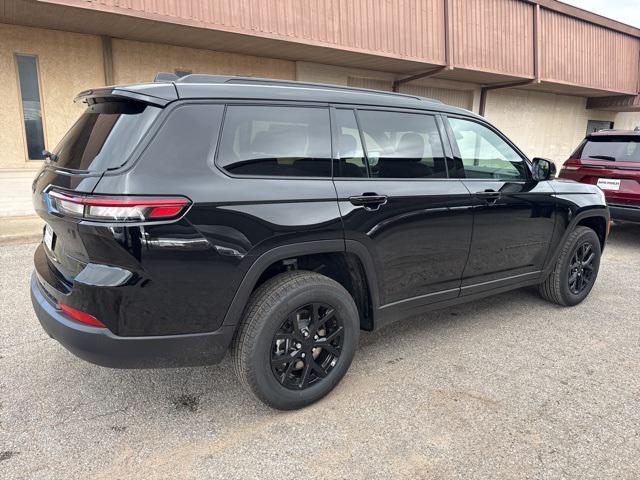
{"points": [[282, 304], [557, 288]]}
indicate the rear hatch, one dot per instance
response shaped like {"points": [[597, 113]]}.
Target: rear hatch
{"points": [[107, 135], [611, 162]]}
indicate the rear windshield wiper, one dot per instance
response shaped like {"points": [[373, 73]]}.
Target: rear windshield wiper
{"points": [[603, 157]]}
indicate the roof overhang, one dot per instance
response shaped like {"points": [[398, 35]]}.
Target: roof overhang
{"points": [[622, 103], [83, 17]]}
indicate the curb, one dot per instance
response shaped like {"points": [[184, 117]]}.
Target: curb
{"points": [[23, 229], [18, 239]]}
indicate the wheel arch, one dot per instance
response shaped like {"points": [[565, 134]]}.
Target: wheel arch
{"points": [[365, 289], [597, 219]]}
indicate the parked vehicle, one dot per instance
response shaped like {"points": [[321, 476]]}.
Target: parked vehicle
{"points": [[278, 219], [610, 159]]}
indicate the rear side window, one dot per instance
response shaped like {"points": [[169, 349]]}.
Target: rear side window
{"points": [[402, 145], [276, 141], [612, 148], [105, 135]]}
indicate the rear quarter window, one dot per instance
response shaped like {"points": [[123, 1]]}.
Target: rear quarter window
{"points": [[276, 141], [105, 136]]}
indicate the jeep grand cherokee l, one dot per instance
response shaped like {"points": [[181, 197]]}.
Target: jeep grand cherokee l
{"points": [[610, 159], [278, 219]]}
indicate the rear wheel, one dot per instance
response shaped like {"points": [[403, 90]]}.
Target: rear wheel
{"points": [[297, 339], [575, 270]]}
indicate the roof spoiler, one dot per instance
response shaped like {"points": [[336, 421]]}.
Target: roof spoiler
{"points": [[153, 94], [162, 77]]}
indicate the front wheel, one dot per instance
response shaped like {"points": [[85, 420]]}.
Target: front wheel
{"points": [[297, 339], [575, 270]]}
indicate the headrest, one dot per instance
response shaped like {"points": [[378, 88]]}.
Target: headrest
{"points": [[411, 145], [348, 146]]}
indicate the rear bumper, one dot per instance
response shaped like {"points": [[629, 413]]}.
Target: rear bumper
{"points": [[625, 213], [102, 347]]}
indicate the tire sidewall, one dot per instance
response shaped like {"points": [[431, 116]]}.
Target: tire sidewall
{"points": [[267, 386]]}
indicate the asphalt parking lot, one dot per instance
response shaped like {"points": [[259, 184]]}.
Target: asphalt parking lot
{"points": [[508, 387]]}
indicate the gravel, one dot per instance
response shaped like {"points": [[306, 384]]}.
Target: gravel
{"points": [[506, 387]]}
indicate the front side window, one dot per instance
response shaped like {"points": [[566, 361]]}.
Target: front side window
{"points": [[276, 141], [31, 105], [402, 145], [484, 154]]}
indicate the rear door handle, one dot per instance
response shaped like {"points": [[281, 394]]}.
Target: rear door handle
{"points": [[370, 201], [489, 196]]}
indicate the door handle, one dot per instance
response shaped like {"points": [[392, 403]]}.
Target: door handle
{"points": [[489, 196], [370, 201]]}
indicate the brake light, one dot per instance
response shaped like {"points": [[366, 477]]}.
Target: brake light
{"points": [[570, 165], [117, 208], [81, 317]]}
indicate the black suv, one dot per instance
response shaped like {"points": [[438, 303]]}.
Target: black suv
{"points": [[277, 219]]}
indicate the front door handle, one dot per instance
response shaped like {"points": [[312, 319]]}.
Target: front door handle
{"points": [[489, 196], [370, 201]]}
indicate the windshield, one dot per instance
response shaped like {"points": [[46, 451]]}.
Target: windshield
{"points": [[104, 136], [614, 149]]}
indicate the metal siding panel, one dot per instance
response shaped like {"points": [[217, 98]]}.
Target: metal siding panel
{"points": [[393, 27], [493, 35], [585, 54]]}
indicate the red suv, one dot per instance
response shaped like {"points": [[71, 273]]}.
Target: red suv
{"points": [[610, 159]]}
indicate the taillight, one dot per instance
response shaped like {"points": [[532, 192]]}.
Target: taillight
{"points": [[570, 165], [117, 208], [81, 317]]}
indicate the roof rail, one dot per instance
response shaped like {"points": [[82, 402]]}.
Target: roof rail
{"points": [[218, 79]]}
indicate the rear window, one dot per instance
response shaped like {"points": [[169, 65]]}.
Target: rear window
{"points": [[105, 135], [611, 148]]}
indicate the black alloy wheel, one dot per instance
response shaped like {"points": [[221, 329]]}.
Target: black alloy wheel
{"points": [[575, 270], [581, 268], [297, 339], [307, 346]]}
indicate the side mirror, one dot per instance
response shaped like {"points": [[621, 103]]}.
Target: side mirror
{"points": [[543, 169]]}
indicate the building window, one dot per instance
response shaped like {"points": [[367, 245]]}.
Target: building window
{"points": [[31, 105], [597, 125]]}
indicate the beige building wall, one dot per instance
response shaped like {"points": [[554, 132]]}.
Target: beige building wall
{"points": [[547, 125], [68, 63], [542, 124], [459, 94], [135, 62]]}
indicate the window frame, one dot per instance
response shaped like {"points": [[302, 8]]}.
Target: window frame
{"points": [[267, 103], [21, 106], [437, 116], [456, 152]]}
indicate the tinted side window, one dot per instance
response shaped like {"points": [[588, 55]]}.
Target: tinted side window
{"points": [[276, 141], [352, 162], [484, 154], [402, 145]]}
